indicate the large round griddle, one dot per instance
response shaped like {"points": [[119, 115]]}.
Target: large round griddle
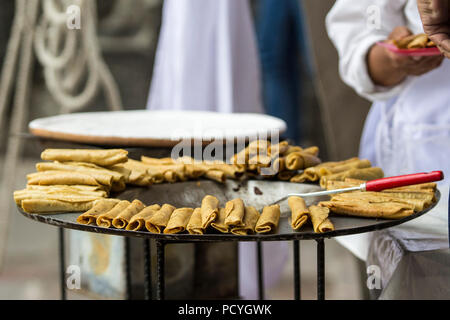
{"points": [[147, 128], [257, 193]]}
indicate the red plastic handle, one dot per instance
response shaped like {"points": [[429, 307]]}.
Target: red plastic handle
{"points": [[401, 181]]}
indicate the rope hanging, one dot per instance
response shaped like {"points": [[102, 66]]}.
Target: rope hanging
{"points": [[70, 56]]}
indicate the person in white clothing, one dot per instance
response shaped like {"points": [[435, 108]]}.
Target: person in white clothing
{"points": [[408, 127], [410, 118], [206, 58]]}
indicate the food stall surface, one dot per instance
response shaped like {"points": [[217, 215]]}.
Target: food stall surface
{"points": [[31, 267]]}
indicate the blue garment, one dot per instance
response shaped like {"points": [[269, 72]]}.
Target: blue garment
{"points": [[282, 43]]}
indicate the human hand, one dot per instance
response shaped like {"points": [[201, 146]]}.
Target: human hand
{"points": [[415, 66], [387, 68], [435, 15]]}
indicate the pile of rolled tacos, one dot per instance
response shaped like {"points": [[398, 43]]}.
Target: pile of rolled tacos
{"points": [[88, 180], [235, 217], [72, 179]]}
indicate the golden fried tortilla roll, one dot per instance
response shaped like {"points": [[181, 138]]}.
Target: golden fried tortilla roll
{"points": [[362, 174], [292, 149], [431, 44], [251, 217], [216, 175], [120, 169], [81, 167], [374, 197], [278, 149], [192, 168], [234, 212], [428, 197], [258, 147], [157, 161], [195, 222], [301, 160], [138, 172], [319, 219], [279, 164], [159, 220], [100, 174], [71, 188], [210, 210], [100, 207], [360, 164], [241, 158], [420, 41], [121, 221], [230, 170], [285, 175], [312, 150], [428, 187], [103, 178], [63, 178], [171, 173], [252, 167], [337, 163], [194, 171], [219, 223], [103, 158], [66, 192], [178, 220], [105, 219], [305, 176], [299, 212], [273, 168], [360, 208], [43, 206], [403, 42], [260, 160], [316, 172], [137, 222], [269, 219], [21, 195], [333, 185]]}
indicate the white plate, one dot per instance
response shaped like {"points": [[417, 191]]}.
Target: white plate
{"points": [[155, 128]]}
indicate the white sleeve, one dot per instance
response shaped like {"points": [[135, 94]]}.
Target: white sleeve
{"points": [[354, 27]]}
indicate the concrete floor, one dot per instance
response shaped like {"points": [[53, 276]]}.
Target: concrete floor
{"points": [[30, 269]]}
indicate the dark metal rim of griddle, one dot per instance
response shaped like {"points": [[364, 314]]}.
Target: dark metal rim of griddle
{"points": [[184, 237]]}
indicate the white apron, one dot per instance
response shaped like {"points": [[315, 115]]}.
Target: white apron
{"points": [[414, 132]]}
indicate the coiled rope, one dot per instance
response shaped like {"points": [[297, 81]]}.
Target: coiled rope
{"points": [[69, 56]]}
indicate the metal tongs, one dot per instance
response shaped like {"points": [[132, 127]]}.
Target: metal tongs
{"points": [[377, 185]]}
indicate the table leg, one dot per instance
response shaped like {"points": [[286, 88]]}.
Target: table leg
{"points": [[147, 270], [62, 263], [259, 254], [127, 268], [320, 269], [160, 257], [297, 281]]}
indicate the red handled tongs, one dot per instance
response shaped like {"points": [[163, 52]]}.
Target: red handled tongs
{"points": [[378, 184]]}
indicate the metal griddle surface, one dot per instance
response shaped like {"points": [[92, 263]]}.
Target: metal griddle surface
{"points": [[257, 193]]}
